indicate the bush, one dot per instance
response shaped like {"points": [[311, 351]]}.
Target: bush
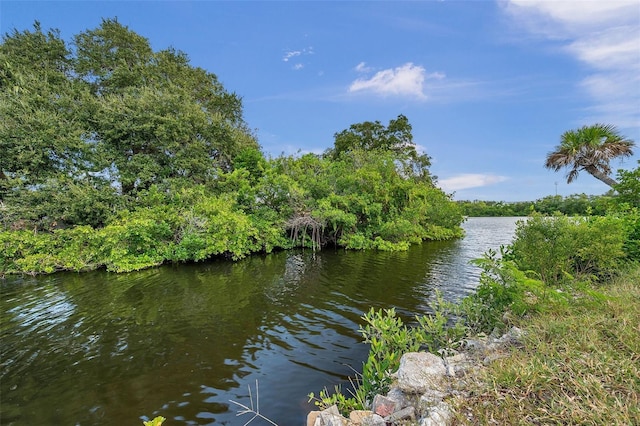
{"points": [[545, 246], [79, 248], [503, 288], [438, 332], [599, 246], [135, 243], [559, 247], [630, 218], [33, 252]]}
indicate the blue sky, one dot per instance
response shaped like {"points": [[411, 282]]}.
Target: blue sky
{"points": [[488, 86]]}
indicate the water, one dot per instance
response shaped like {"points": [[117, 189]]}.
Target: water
{"points": [[183, 341]]}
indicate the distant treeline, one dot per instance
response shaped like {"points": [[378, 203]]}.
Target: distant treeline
{"points": [[576, 204]]}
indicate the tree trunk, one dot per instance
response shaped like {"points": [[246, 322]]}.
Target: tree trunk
{"points": [[600, 176]]}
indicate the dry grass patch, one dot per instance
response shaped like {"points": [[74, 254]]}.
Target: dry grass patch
{"points": [[580, 365]]}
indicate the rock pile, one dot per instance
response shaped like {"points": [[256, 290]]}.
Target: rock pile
{"points": [[422, 385]]}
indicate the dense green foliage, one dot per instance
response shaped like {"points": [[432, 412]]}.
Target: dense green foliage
{"points": [[122, 157], [556, 248], [295, 202], [94, 127], [628, 186], [396, 137]]}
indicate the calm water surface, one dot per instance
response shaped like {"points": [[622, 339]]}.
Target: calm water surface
{"points": [[182, 341]]}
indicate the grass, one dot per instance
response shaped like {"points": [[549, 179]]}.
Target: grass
{"points": [[579, 364]]}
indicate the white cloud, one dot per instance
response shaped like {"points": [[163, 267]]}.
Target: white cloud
{"points": [[362, 67], [298, 67], [575, 17], [293, 53], [605, 36], [406, 80], [466, 181]]}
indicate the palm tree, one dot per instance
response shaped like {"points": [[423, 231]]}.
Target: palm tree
{"points": [[589, 148]]}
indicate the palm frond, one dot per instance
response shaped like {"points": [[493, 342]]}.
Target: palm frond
{"points": [[589, 148]]}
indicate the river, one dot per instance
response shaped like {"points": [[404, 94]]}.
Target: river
{"points": [[182, 341]]}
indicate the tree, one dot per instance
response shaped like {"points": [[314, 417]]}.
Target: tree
{"points": [[111, 57], [395, 138], [158, 118], [111, 113], [37, 136], [629, 186], [589, 148], [153, 136], [44, 140]]}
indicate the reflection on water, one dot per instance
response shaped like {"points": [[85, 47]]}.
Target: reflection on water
{"points": [[182, 341], [450, 270]]}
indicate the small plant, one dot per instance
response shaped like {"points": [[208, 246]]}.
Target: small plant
{"points": [[251, 410], [338, 398], [389, 339], [436, 332], [155, 422], [503, 289]]}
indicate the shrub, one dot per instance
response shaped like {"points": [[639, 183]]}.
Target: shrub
{"points": [[439, 332], [134, 243], [630, 218], [503, 288], [78, 248], [599, 246], [545, 246], [28, 252], [559, 247]]}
